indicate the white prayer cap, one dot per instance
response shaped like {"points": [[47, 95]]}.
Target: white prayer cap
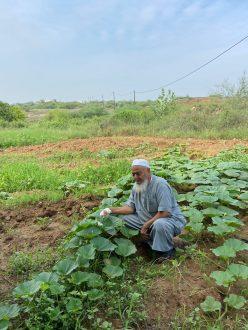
{"points": [[140, 162]]}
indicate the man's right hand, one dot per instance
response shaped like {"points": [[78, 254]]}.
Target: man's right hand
{"points": [[105, 212]]}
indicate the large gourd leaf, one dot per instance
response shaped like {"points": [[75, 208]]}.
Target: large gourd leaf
{"points": [[95, 280], [103, 244], [66, 266], [239, 271], [80, 277], [46, 277], [87, 252], [95, 294], [223, 278], [236, 244], [8, 312], [124, 247], [210, 305], [27, 289], [221, 229], [224, 252], [74, 305], [89, 232], [235, 301], [115, 192], [112, 271]]}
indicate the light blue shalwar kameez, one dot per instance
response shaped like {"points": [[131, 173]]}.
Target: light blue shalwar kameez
{"points": [[158, 197]]}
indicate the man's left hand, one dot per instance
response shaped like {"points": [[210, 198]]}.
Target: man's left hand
{"points": [[144, 231]]}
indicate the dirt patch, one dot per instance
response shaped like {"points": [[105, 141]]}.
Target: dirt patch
{"points": [[205, 147], [184, 292], [37, 225]]}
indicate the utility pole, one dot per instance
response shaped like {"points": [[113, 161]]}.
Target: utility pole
{"points": [[114, 100], [134, 99]]}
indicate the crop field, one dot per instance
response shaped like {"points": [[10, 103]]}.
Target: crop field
{"points": [[62, 266]]}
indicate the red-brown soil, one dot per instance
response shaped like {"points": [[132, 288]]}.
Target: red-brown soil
{"points": [[20, 230], [204, 147]]}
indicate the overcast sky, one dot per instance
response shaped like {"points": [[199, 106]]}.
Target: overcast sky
{"points": [[73, 50]]}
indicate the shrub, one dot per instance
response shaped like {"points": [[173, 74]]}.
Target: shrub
{"points": [[11, 113]]}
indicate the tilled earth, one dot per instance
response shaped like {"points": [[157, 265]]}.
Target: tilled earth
{"points": [[39, 225], [204, 147]]}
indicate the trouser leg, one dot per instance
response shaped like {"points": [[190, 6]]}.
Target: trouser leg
{"points": [[162, 232]]}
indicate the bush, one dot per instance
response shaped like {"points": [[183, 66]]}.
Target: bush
{"points": [[11, 113]]}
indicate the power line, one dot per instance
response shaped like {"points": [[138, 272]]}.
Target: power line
{"points": [[197, 69]]}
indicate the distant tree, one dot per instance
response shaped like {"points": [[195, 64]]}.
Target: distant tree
{"points": [[165, 103], [11, 113]]}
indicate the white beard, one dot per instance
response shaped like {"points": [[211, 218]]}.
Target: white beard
{"points": [[139, 188]]}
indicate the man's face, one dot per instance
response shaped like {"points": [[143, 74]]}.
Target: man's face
{"points": [[140, 174]]}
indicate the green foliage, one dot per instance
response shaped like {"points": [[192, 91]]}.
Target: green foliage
{"points": [[11, 113], [210, 305], [235, 301], [165, 103]]}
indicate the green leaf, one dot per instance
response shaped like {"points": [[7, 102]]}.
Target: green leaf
{"points": [[230, 221], [205, 199], [212, 212], [108, 202], [73, 243], [80, 277], [95, 294], [4, 324], [82, 262], [95, 280], [109, 225], [112, 261], [235, 301], [244, 196], [65, 266], [87, 251], [125, 247], [239, 271], [115, 192], [232, 173], [27, 289], [47, 277], [227, 211], [128, 232], [56, 288], [224, 252], [103, 244], [195, 227], [236, 244], [74, 305], [113, 271], [194, 215], [89, 232], [223, 278], [8, 312], [221, 229], [210, 305]]}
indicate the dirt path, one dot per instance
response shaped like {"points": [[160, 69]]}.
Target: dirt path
{"points": [[205, 147]]}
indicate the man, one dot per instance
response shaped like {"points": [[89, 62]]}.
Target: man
{"points": [[152, 208]]}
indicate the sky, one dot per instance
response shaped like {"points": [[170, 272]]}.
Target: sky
{"points": [[80, 50]]}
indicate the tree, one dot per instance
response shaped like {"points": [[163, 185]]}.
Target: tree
{"points": [[10, 112], [165, 102]]}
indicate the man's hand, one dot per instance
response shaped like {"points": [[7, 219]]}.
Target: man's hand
{"points": [[105, 212], [144, 231]]}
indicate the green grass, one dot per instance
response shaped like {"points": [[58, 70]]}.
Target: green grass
{"points": [[29, 179]]}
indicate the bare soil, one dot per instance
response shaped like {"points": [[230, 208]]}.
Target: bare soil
{"points": [[202, 147], [21, 229]]}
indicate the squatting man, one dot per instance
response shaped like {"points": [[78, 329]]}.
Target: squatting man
{"points": [[153, 209]]}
